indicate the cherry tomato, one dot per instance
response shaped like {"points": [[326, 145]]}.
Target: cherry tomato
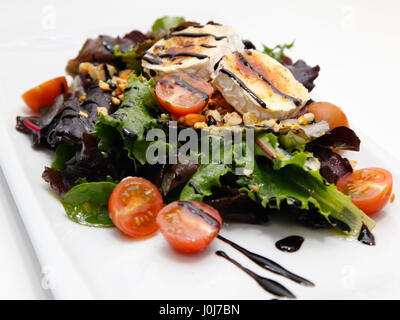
{"points": [[330, 113], [369, 188], [181, 93], [189, 226], [44, 94], [134, 205]]}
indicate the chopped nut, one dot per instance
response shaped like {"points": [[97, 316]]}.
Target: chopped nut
{"points": [[302, 120], [97, 72], [82, 97], [104, 86], [84, 67], [111, 69], [254, 188], [115, 101], [164, 116], [267, 123], [215, 114], [232, 119], [392, 198], [200, 125], [249, 118], [83, 114], [102, 110], [121, 97], [309, 117], [190, 119], [124, 74]]}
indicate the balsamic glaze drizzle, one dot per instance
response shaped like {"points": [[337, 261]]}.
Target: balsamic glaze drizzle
{"points": [[366, 236], [184, 54], [247, 64], [267, 284], [152, 61], [244, 87], [194, 35], [210, 220], [196, 189], [268, 264], [185, 85], [290, 244]]}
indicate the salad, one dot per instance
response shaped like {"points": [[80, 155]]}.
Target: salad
{"points": [[188, 125]]}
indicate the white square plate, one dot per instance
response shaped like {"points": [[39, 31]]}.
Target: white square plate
{"points": [[82, 262]]}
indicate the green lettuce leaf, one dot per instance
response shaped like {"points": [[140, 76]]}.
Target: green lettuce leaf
{"points": [[165, 23], [131, 120], [278, 51], [63, 153], [201, 183], [87, 204]]}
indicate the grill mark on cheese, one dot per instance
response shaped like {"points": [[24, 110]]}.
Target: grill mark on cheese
{"points": [[194, 35], [187, 86], [152, 61], [184, 54], [247, 64], [244, 87]]}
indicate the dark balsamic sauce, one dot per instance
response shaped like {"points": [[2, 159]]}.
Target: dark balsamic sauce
{"points": [[187, 86], [244, 87], [268, 264], [290, 244], [152, 61], [247, 64], [210, 220], [267, 284], [248, 44], [366, 236], [195, 188], [184, 54], [129, 134], [194, 35]]}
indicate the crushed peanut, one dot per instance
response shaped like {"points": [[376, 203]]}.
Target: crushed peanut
{"points": [[102, 110], [200, 125], [353, 163], [83, 114], [215, 114], [97, 73], [392, 198], [115, 101], [254, 188], [233, 119], [191, 119], [104, 86], [249, 118]]}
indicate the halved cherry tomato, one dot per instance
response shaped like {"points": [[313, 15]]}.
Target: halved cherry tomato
{"points": [[181, 93], [134, 205], [330, 113], [44, 94], [369, 188], [189, 226]]}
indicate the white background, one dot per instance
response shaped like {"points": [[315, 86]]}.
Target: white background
{"points": [[356, 43]]}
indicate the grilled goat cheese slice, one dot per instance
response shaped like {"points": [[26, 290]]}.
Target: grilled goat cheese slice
{"points": [[194, 50], [252, 81]]}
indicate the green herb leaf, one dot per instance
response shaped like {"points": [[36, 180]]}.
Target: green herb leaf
{"points": [[203, 180], [278, 51], [87, 204], [165, 23], [64, 152], [133, 117]]}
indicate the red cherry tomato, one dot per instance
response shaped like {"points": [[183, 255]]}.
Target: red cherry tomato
{"points": [[330, 113], [182, 93], [189, 226], [369, 188], [134, 205], [44, 94]]}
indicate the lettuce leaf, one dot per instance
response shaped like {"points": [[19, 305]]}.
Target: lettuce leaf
{"points": [[165, 23], [131, 121], [201, 183], [278, 52]]}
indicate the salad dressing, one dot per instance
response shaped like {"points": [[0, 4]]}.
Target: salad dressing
{"points": [[290, 244], [268, 264], [268, 285]]}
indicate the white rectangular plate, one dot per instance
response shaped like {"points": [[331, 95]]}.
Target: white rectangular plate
{"points": [[82, 262]]}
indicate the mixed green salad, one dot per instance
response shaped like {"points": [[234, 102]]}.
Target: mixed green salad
{"points": [[120, 160]]}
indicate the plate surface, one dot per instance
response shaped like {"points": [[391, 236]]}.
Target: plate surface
{"points": [[82, 262]]}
